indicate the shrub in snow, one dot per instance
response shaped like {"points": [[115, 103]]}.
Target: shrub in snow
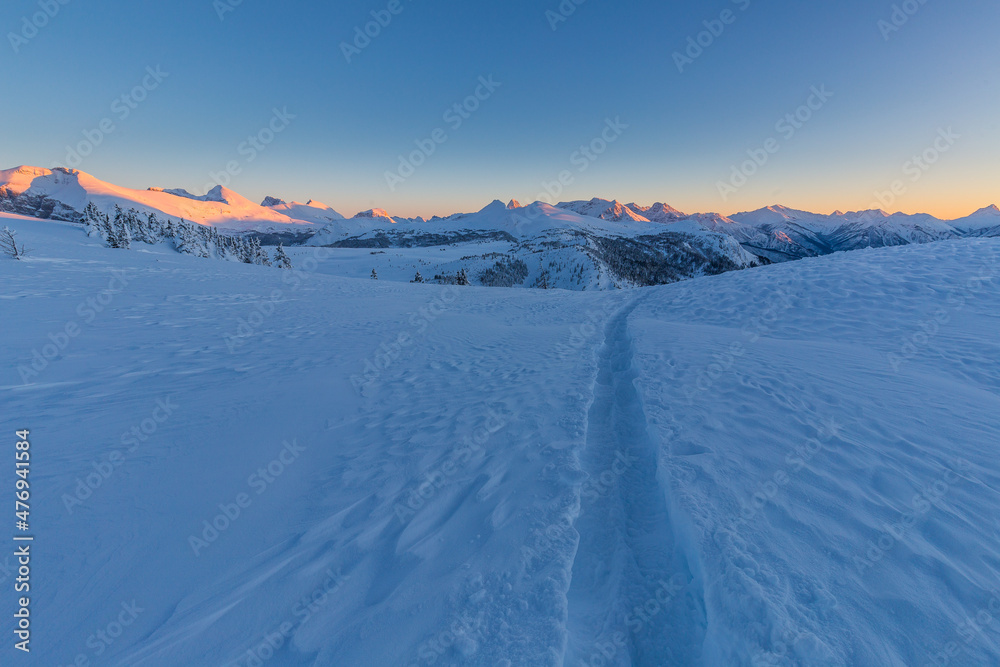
{"points": [[8, 244]]}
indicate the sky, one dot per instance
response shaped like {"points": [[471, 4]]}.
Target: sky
{"points": [[686, 102]]}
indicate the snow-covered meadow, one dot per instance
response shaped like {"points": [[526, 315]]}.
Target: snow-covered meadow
{"points": [[239, 465]]}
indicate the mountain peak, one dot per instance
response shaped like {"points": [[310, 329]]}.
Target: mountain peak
{"points": [[495, 205], [514, 204], [374, 213], [991, 209], [224, 195], [272, 201]]}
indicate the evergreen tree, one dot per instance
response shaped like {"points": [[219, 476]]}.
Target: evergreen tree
{"points": [[417, 278], [259, 254], [281, 259], [461, 278], [153, 230], [374, 274], [122, 234]]}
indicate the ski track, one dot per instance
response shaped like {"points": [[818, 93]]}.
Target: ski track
{"points": [[633, 599]]}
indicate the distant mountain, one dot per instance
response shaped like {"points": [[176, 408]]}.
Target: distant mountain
{"points": [[544, 246], [312, 211], [596, 243], [62, 194], [781, 233]]}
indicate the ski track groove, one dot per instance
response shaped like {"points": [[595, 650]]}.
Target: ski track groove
{"points": [[629, 550]]}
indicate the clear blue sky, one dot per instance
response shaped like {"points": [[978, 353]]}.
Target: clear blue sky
{"points": [[607, 60]]}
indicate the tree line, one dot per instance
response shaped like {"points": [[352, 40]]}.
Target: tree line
{"points": [[123, 228]]}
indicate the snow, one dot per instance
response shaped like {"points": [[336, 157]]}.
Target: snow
{"points": [[220, 207], [698, 473]]}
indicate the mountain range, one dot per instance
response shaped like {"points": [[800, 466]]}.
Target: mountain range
{"points": [[598, 243]]}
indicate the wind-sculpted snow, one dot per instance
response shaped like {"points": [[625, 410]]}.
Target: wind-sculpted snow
{"points": [[793, 465], [829, 435]]}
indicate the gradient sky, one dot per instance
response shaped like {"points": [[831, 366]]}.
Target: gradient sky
{"points": [[608, 59]]}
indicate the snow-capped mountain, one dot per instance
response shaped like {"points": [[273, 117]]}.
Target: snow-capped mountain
{"points": [[781, 233], [546, 246], [582, 244], [604, 209], [311, 211], [616, 211], [62, 194]]}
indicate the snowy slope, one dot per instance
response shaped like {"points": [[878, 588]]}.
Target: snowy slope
{"points": [[311, 211], [830, 449], [64, 193], [432, 475]]}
